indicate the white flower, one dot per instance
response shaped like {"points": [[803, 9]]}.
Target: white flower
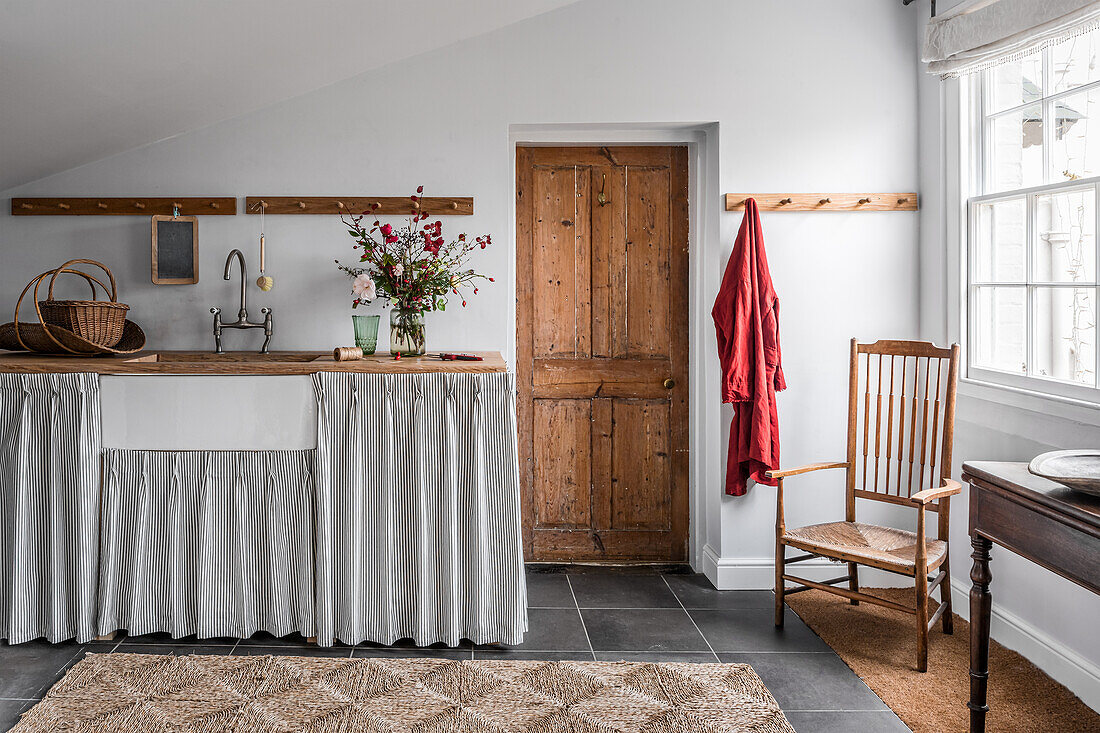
{"points": [[363, 286], [398, 269]]}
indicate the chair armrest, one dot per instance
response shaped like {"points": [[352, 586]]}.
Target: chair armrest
{"points": [[950, 488], [782, 473]]}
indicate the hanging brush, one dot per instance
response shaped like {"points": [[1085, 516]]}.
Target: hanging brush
{"points": [[265, 282]]}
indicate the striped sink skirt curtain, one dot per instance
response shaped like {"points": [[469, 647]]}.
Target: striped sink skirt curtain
{"points": [[210, 543], [417, 509], [49, 506]]}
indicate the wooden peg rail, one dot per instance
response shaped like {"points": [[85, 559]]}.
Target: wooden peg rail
{"points": [[824, 201], [187, 206], [387, 205]]}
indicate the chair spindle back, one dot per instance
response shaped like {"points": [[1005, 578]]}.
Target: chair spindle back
{"points": [[901, 417]]}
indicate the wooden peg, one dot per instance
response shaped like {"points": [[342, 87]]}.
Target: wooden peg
{"points": [[213, 204], [339, 204], [25, 205], [902, 201], [176, 205], [139, 205], [63, 205], [865, 201], [784, 202], [416, 205], [377, 204], [301, 204], [101, 205], [454, 205], [822, 202]]}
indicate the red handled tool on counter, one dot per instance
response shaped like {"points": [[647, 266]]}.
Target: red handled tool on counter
{"points": [[457, 357]]}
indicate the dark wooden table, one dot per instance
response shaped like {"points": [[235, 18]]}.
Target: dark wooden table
{"points": [[1037, 519]]}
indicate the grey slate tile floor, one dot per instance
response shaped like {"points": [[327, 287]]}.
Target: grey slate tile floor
{"points": [[575, 613]]}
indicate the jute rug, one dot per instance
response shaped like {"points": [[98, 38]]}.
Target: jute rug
{"points": [[880, 645], [109, 693]]}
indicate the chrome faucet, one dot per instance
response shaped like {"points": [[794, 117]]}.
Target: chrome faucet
{"points": [[242, 315]]}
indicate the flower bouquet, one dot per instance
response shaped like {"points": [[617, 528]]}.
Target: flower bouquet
{"points": [[414, 268]]}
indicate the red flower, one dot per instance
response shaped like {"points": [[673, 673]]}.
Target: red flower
{"points": [[387, 229]]}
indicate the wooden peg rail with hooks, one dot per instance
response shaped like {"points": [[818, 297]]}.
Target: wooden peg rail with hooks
{"points": [[387, 205], [824, 201], [137, 206]]}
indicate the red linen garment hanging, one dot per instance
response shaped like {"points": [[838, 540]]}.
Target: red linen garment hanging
{"points": [[746, 317]]}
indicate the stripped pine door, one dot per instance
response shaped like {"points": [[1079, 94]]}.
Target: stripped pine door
{"points": [[601, 341]]}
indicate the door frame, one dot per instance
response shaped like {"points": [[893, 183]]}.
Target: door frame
{"points": [[705, 441]]}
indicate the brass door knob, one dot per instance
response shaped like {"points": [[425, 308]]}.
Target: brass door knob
{"points": [[669, 383]]}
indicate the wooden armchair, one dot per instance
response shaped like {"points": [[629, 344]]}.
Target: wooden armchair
{"points": [[914, 389]]}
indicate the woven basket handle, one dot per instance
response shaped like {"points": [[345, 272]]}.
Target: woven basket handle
{"points": [[100, 265], [92, 282]]}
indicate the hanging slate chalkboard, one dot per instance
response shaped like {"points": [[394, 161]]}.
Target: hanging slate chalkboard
{"points": [[175, 250]]}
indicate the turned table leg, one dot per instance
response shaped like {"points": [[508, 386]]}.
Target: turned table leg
{"points": [[980, 600]]}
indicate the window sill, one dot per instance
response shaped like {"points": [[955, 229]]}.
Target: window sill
{"points": [[1043, 403]]}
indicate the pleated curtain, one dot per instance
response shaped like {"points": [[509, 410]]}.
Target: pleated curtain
{"points": [[417, 508], [210, 543], [49, 502]]}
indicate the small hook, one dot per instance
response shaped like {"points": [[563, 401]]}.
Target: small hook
{"points": [[865, 201], [822, 202], [784, 202], [601, 198]]}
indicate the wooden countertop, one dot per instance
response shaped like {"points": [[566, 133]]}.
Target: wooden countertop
{"points": [[243, 363]]}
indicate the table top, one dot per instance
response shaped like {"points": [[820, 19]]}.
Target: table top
{"points": [[243, 363], [1016, 479]]}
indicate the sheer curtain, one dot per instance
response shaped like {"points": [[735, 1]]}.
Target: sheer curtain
{"points": [[979, 34]]}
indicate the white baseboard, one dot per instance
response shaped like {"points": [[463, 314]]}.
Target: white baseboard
{"points": [[758, 573], [1063, 664]]}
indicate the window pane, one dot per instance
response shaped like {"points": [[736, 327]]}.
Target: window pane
{"points": [[1065, 237], [1016, 82], [1075, 62], [1016, 149], [1072, 156], [999, 328], [1001, 253], [1065, 334]]}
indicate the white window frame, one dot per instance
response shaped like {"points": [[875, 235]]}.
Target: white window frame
{"points": [[980, 124]]}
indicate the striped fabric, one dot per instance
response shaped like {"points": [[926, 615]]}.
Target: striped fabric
{"points": [[210, 543], [49, 503], [418, 520]]}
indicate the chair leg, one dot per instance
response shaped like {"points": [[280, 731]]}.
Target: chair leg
{"points": [[853, 580], [922, 622], [780, 564], [945, 598]]}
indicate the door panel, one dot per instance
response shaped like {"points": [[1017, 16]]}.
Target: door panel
{"points": [[640, 465], [562, 440], [601, 335], [560, 256], [646, 295]]}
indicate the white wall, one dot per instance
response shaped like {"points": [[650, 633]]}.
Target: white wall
{"points": [[798, 95], [1048, 619]]}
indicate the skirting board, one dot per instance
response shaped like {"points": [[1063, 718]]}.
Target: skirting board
{"points": [[1063, 664], [758, 573]]}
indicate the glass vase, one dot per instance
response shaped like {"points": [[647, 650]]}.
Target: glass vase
{"points": [[406, 332], [366, 333]]}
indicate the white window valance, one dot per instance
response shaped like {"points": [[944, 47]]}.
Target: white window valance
{"points": [[982, 33]]}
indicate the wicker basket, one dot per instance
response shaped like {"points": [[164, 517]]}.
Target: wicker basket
{"points": [[99, 321]]}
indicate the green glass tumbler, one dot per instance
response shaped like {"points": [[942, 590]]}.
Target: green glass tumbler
{"points": [[366, 333]]}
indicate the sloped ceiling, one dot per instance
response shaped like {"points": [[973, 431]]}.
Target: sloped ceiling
{"points": [[84, 79]]}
